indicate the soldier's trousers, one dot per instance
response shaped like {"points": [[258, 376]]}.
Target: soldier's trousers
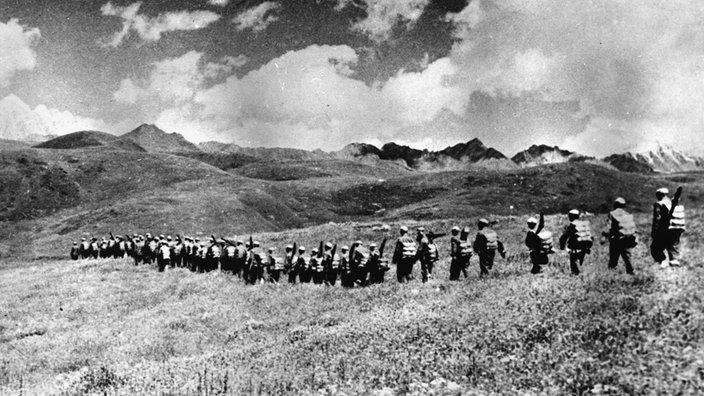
{"points": [[256, 274], [538, 259], [347, 279], [275, 275], [318, 277], [616, 250], [667, 246], [304, 276], [377, 276], [576, 260], [292, 274], [163, 262], [404, 270], [426, 268], [361, 275], [486, 261], [457, 265], [331, 277]]}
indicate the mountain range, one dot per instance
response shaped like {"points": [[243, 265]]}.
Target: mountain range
{"points": [[462, 156]]}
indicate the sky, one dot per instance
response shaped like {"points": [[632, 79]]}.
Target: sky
{"points": [[596, 77]]}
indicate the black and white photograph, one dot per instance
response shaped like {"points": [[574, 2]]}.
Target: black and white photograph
{"points": [[351, 197]]}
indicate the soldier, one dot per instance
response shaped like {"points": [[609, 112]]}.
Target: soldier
{"points": [[404, 256], [667, 230], [137, 249], [486, 243], [257, 261], [194, 256], [622, 235], [346, 273], [427, 254], [317, 267], [94, 248], [151, 249], [178, 252], [377, 265], [229, 257], [455, 254], [75, 249], [164, 256], [275, 266], [577, 236], [331, 263], [301, 264], [291, 267], [214, 253], [539, 243], [360, 259], [84, 248], [110, 250], [103, 248]]}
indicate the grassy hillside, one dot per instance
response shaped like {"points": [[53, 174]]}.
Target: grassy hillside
{"points": [[107, 327]]}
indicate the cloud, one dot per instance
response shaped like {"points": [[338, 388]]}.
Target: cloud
{"points": [[151, 29], [309, 98], [633, 69], [176, 80], [384, 15], [16, 53], [257, 18], [20, 122], [220, 3]]}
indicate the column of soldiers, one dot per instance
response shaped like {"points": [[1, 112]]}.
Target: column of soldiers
{"points": [[359, 265]]}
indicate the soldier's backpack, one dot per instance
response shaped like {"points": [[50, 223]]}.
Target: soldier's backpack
{"points": [[384, 264], [465, 249], [677, 218], [433, 252], [215, 251], [319, 264], [626, 226], [178, 248], [230, 251], [335, 265], [409, 248], [492, 239], [545, 242], [165, 252], [583, 234], [259, 258], [278, 263], [363, 258]]}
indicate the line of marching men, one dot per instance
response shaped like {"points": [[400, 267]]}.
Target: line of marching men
{"points": [[360, 265]]}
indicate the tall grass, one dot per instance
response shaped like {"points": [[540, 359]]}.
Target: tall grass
{"points": [[108, 327]]}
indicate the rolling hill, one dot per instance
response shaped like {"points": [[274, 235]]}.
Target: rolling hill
{"points": [[89, 139], [153, 139]]}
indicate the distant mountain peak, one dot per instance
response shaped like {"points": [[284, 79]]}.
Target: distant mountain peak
{"points": [[541, 154], [154, 139], [665, 159]]}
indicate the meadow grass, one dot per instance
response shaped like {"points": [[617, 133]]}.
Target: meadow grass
{"points": [[109, 327]]}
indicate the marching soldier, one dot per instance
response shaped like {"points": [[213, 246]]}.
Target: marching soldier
{"points": [[427, 254], [301, 265], [668, 227], [291, 267], [539, 243], [360, 259], [317, 268], [331, 263], [346, 273], [455, 254], [256, 263], [94, 248], [164, 256], [377, 265], [404, 256], [622, 235], [486, 244], [229, 255], [577, 236], [214, 253], [75, 251], [275, 267]]}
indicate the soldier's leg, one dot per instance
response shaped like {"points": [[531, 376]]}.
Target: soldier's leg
{"points": [[614, 253], [537, 259], [657, 249], [574, 262], [673, 248], [400, 276], [424, 270], [455, 268], [626, 255], [483, 264]]}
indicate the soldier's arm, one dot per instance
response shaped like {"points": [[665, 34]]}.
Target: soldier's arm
{"points": [[656, 220], [566, 233]]}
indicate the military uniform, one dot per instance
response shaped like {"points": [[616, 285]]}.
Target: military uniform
{"points": [[427, 255], [577, 237], [667, 230], [622, 236], [346, 273], [291, 266], [360, 259], [539, 243], [75, 250], [486, 244], [257, 261], [405, 255]]}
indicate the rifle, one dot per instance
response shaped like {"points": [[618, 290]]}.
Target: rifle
{"points": [[215, 242], [320, 250], [111, 237], [351, 258], [228, 241], [676, 200], [541, 223], [251, 243], [432, 235], [381, 248]]}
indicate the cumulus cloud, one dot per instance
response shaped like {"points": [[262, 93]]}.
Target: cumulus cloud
{"points": [[633, 69], [384, 15], [151, 29], [309, 98], [257, 18], [176, 80], [16, 52], [220, 3]]}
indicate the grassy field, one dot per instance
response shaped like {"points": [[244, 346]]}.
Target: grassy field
{"points": [[108, 327]]}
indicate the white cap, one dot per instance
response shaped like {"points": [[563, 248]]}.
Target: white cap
{"points": [[574, 212], [404, 228], [455, 228], [328, 245], [420, 229], [532, 220], [620, 200], [663, 190], [372, 245], [345, 248]]}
